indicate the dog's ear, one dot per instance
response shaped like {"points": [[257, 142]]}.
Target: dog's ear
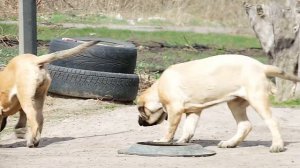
{"points": [[141, 109]]}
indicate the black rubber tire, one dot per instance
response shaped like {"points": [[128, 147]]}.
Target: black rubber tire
{"points": [[93, 84], [114, 56]]}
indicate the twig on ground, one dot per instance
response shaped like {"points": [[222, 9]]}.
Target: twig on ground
{"points": [[189, 45]]}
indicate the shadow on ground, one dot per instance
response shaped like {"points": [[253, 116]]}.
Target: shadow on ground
{"points": [[206, 143], [44, 142], [48, 141]]}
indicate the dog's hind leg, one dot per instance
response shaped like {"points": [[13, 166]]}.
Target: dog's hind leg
{"points": [[238, 109], [35, 122], [20, 128], [3, 121], [32, 100], [189, 127], [38, 105], [260, 102]]}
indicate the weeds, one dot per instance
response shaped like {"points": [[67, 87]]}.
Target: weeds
{"points": [[179, 12], [293, 103]]}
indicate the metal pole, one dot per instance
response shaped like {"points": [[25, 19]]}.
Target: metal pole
{"points": [[27, 27]]}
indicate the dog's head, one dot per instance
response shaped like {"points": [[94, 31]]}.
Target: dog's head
{"points": [[150, 109], [151, 114]]}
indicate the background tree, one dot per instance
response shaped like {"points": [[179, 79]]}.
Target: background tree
{"points": [[276, 25]]}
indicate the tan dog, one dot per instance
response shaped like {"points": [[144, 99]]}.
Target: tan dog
{"points": [[193, 86], [24, 83]]}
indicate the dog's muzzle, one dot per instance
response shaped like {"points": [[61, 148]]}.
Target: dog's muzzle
{"points": [[144, 123]]}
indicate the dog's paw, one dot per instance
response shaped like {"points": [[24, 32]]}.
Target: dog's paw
{"points": [[32, 144], [277, 148], [227, 144], [162, 140], [183, 140]]}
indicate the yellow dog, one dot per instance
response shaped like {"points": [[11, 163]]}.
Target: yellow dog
{"points": [[193, 86], [24, 83]]}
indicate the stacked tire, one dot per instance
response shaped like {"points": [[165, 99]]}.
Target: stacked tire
{"points": [[104, 71]]}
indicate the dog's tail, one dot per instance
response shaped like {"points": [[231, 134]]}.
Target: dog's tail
{"points": [[65, 53], [273, 71]]}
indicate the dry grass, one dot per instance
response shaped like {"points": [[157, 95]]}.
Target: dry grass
{"points": [[178, 11]]}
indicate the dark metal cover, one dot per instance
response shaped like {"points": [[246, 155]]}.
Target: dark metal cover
{"points": [[167, 149]]}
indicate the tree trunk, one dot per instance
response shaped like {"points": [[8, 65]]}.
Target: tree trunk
{"points": [[277, 28]]}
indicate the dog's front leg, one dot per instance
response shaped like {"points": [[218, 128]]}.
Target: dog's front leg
{"points": [[189, 127], [174, 115]]}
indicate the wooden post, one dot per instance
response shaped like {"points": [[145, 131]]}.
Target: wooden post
{"points": [[27, 27]]}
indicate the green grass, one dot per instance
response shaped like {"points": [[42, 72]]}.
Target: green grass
{"points": [[218, 41], [262, 59], [293, 103], [158, 61], [169, 37], [8, 30], [189, 38], [150, 60], [7, 53]]}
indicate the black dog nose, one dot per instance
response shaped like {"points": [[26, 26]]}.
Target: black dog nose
{"points": [[141, 121]]}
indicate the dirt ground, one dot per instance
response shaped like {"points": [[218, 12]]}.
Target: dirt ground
{"points": [[88, 133]]}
